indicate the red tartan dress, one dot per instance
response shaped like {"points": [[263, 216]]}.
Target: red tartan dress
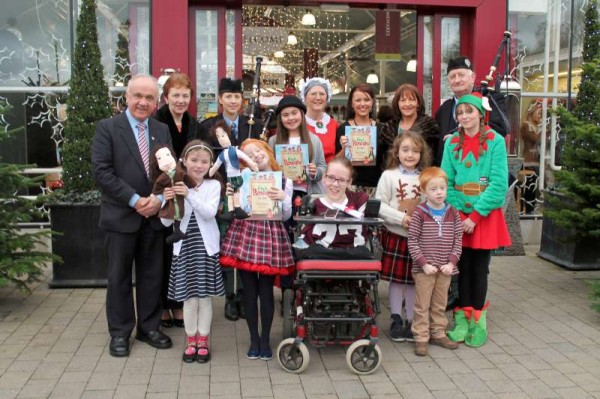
{"points": [[337, 236], [261, 246], [399, 191]]}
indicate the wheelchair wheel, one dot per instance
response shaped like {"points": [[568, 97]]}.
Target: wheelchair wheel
{"points": [[293, 360], [359, 361], [289, 313]]}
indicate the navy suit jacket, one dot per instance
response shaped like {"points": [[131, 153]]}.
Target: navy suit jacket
{"points": [[119, 171], [243, 128]]}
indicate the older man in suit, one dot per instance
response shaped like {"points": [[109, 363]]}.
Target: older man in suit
{"points": [[121, 155]]}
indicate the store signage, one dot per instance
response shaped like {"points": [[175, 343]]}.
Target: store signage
{"points": [[263, 40], [387, 35]]}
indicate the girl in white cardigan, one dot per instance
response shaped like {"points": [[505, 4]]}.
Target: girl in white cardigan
{"points": [[195, 274]]}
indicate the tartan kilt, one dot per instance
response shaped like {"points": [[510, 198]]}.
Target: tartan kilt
{"points": [[259, 246], [396, 263]]}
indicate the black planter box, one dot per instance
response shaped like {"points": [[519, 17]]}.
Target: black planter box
{"points": [[81, 246], [581, 254]]}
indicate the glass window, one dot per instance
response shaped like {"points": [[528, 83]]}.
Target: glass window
{"points": [[36, 38]]}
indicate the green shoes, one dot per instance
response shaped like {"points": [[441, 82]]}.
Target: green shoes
{"points": [[461, 324], [477, 334]]}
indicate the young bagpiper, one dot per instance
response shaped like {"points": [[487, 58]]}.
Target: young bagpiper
{"points": [[477, 168], [435, 245], [195, 274]]}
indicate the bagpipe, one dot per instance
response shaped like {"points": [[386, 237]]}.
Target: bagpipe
{"points": [[254, 105], [488, 92]]}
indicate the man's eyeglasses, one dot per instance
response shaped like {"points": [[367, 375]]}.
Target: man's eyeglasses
{"points": [[332, 179]]}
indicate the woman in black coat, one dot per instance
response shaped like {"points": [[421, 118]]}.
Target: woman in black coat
{"points": [[177, 94]]}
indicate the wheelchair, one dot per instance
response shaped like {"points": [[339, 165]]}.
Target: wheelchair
{"points": [[334, 301]]}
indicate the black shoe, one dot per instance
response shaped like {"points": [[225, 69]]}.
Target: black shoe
{"points": [[397, 329], [408, 332], [178, 323], [239, 303], [231, 310], [119, 346], [167, 323], [155, 338]]}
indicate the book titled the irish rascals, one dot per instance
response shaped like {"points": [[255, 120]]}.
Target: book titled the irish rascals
{"points": [[254, 197], [363, 145], [293, 159]]}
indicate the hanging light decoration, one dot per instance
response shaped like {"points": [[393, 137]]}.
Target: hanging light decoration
{"points": [[411, 66], [372, 78], [279, 54], [308, 19], [292, 39]]}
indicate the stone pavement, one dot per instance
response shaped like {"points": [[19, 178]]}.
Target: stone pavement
{"points": [[544, 343]]}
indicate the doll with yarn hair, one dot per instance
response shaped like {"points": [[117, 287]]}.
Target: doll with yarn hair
{"points": [[230, 157], [167, 173]]}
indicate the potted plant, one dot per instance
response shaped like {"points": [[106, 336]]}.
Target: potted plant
{"points": [[571, 226], [74, 209]]}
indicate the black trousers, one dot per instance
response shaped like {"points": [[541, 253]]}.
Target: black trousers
{"points": [[474, 267], [145, 248], [258, 287]]}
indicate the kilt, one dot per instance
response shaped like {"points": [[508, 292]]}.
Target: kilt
{"points": [[396, 263], [261, 246]]}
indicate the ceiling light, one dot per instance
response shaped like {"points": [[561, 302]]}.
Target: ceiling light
{"points": [[411, 66], [292, 40], [372, 78], [335, 7], [308, 18], [279, 54]]}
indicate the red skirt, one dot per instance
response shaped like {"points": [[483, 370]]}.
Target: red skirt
{"points": [[490, 233], [396, 263], [257, 246]]}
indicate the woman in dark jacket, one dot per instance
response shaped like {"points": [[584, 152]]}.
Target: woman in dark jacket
{"points": [[408, 108], [177, 94]]}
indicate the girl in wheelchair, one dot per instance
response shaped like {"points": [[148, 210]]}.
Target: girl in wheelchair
{"points": [[332, 241]]}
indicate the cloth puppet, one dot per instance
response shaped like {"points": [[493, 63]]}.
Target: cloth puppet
{"points": [[168, 172], [230, 157]]}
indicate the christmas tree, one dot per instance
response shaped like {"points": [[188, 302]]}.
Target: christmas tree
{"points": [[122, 71], [21, 256], [579, 179], [88, 102]]}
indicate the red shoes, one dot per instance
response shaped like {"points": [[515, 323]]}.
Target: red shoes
{"points": [[203, 354], [191, 350]]}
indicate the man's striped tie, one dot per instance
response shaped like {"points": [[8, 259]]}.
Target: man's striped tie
{"points": [[143, 143]]}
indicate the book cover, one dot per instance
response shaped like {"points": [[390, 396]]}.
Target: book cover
{"points": [[293, 159], [253, 195], [363, 145]]}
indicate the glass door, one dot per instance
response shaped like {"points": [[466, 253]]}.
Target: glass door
{"points": [[215, 52], [440, 40]]}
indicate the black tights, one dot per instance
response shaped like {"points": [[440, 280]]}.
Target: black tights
{"points": [[474, 267], [257, 286]]}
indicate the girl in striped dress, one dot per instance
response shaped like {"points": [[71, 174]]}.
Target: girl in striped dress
{"points": [[400, 192], [260, 250], [195, 274]]}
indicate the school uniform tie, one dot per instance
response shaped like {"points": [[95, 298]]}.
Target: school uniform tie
{"points": [[234, 131], [144, 149]]}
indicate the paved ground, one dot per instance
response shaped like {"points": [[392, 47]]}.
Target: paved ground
{"points": [[544, 343]]}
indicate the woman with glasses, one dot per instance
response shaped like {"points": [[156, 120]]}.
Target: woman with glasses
{"points": [[332, 241]]}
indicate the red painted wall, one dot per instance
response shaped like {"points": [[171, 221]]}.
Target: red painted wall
{"points": [[169, 36]]}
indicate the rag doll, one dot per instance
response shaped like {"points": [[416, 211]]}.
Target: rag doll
{"points": [[168, 172], [230, 156]]}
